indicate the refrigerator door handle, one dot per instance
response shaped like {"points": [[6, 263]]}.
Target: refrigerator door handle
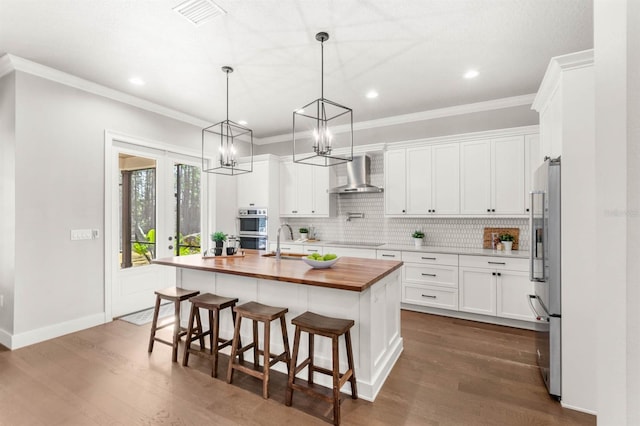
{"points": [[533, 309], [532, 238]]}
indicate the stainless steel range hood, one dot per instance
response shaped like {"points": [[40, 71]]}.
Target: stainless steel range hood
{"points": [[358, 177]]}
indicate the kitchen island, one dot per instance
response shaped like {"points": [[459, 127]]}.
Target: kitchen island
{"points": [[365, 290]]}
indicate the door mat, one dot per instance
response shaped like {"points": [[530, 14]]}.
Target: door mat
{"points": [[146, 316]]}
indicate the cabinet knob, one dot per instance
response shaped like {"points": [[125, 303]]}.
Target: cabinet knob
{"points": [[404, 211], [527, 210], [313, 211], [493, 210], [489, 210]]}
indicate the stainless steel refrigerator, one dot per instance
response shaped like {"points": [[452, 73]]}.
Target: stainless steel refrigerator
{"points": [[545, 272]]}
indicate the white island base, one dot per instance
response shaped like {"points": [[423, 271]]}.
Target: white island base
{"points": [[376, 338]]}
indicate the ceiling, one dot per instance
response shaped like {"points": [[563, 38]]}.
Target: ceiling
{"points": [[412, 52]]}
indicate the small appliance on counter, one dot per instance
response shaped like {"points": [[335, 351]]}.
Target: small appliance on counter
{"points": [[253, 228]]}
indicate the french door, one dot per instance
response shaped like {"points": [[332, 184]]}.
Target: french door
{"points": [[156, 212]]}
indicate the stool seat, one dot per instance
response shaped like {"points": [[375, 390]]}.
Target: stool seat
{"points": [[260, 312], [175, 295], [257, 312], [324, 326], [213, 304], [333, 328]]}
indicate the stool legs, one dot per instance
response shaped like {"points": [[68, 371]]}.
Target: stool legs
{"points": [[176, 331], [234, 348], [352, 368], [154, 324]]}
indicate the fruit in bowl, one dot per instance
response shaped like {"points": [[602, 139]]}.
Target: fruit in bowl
{"points": [[318, 261]]}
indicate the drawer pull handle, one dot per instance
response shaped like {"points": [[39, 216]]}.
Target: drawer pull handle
{"points": [[429, 296], [312, 250], [388, 255], [428, 275], [428, 258], [497, 263]]}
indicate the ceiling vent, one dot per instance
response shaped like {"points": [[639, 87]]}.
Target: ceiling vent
{"points": [[199, 11]]}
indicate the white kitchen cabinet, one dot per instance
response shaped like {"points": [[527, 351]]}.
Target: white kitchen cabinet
{"points": [[350, 252], [492, 176], [430, 279], [533, 158], [388, 255], [395, 182], [422, 181], [304, 190], [495, 286], [253, 188], [287, 247]]}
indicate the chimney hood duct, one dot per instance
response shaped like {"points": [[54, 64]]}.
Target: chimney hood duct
{"points": [[358, 177]]}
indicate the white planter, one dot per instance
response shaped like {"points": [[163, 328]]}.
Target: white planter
{"points": [[304, 236], [507, 245], [417, 242]]}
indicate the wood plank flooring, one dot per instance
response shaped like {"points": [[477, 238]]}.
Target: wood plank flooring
{"points": [[452, 372]]}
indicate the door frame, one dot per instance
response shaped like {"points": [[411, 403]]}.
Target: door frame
{"points": [[110, 264]]}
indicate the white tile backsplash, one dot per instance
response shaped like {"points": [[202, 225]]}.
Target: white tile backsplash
{"points": [[376, 228]]}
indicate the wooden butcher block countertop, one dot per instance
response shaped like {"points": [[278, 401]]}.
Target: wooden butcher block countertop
{"points": [[348, 273]]}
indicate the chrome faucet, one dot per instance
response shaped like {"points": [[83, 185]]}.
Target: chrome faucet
{"points": [[278, 238]]}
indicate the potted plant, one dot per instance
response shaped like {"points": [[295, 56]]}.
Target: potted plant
{"points": [[219, 238], [507, 241], [417, 236], [304, 233]]}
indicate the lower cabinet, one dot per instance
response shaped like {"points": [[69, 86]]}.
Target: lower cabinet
{"points": [[350, 252], [500, 289], [430, 279]]}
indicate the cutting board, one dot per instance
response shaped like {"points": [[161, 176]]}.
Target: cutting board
{"points": [[515, 232]]}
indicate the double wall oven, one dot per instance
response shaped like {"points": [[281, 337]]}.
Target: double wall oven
{"points": [[253, 228]]}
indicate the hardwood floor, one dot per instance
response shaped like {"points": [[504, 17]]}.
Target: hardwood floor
{"points": [[452, 372]]}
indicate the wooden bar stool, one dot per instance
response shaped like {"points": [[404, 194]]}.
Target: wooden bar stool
{"points": [[265, 314], [213, 304], [175, 295], [333, 328]]}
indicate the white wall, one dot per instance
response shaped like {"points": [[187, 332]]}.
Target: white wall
{"points": [[617, 199], [456, 124], [7, 204], [59, 185]]}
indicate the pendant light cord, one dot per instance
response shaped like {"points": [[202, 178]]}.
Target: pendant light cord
{"points": [[227, 96], [322, 69]]}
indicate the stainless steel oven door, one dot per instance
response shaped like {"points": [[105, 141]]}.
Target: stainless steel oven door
{"points": [[253, 225], [253, 242]]}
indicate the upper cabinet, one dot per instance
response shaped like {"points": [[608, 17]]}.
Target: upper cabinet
{"points": [[304, 190], [492, 176], [422, 180], [253, 188], [532, 160]]}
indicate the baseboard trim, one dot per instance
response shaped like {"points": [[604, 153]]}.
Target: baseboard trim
{"points": [[5, 339], [582, 410], [56, 330]]}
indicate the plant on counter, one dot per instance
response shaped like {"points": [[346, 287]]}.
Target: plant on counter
{"points": [[418, 234], [219, 238], [303, 230], [506, 237], [507, 241]]}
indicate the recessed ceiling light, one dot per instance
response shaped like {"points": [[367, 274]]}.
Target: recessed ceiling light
{"points": [[242, 123], [471, 74], [137, 81], [372, 94]]}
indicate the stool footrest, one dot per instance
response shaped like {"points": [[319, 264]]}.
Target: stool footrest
{"points": [[166, 342]]}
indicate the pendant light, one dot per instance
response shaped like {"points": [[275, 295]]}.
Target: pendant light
{"points": [[322, 129], [221, 143]]}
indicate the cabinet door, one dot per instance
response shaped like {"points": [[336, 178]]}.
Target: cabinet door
{"points": [[320, 191], [508, 175], [477, 291], [513, 290], [475, 177], [253, 188], [350, 252], [418, 180], [288, 189], [532, 160], [445, 172], [395, 182], [305, 188]]}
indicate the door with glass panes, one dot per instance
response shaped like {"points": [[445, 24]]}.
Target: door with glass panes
{"points": [[159, 215]]}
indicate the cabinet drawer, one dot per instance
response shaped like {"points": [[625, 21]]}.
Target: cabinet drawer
{"points": [[351, 252], [287, 248], [433, 275], [388, 255], [494, 262], [437, 297], [430, 258], [312, 249]]}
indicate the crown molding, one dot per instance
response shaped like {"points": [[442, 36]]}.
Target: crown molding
{"points": [[464, 137], [10, 62], [495, 104], [551, 80]]}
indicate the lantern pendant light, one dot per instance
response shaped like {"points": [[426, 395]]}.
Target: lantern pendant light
{"points": [[222, 142], [322, 129]]}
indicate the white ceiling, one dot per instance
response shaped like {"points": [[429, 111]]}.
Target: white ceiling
{"points": [[413, 52]]}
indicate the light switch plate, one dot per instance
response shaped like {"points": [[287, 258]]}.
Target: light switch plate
{"points": [[81, 234]]}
